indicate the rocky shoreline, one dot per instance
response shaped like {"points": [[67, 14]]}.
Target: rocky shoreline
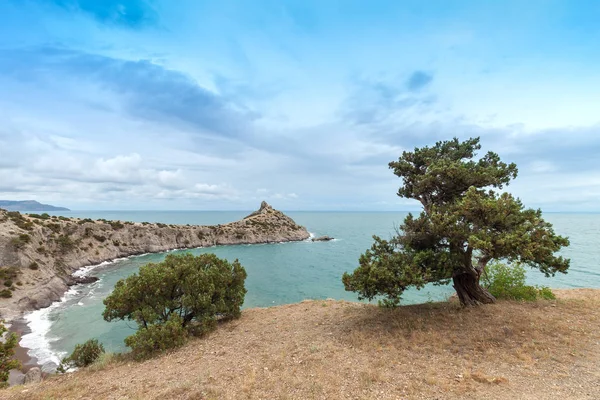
{"points": [[38, 253]]}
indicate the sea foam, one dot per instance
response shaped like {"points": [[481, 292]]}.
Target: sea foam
{"points": [[37, 341]]}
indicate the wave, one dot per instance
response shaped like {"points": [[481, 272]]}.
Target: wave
{"points": [[84, 271], [37, 341]]}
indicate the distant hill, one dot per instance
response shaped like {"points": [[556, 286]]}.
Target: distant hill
{"points": [[28, 205]]}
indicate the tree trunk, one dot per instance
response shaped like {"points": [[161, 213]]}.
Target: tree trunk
{"points": [[469, 292]]}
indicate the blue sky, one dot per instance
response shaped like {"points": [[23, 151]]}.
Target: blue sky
{"points": [[218, 105]]}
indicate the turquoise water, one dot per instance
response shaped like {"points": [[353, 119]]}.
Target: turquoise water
{"points": [[277, 273]]}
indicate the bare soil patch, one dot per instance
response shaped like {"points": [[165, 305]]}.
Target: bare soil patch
{"points": [[344, 350]]}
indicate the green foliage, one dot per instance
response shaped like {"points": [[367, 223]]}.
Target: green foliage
{"points": [[65, 243], [105, 360], [5, 293], [193, 292], [157, 338], [19, 220], [54, 227], [116, 225], [83, 355], [464, 225], [8, 273], [508, 282], [100, 238], [7, 351], [20, 241]]}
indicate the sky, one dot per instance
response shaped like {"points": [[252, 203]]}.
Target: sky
{"points": [[218, 105]]}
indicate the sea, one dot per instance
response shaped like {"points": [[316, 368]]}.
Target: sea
{"points": [[278, 273]]}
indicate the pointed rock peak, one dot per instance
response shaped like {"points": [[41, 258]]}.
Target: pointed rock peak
{"points": [[264, 208]]}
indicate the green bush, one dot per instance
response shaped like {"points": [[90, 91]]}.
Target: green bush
{"points": [[116, 225], [157, 338], [5, 294], [83, 355], [508, 282], [21, 240], [100, 238], [7, 351], [34, 266], [7, 273], [53, 227], [191, 292], [65, 243]]}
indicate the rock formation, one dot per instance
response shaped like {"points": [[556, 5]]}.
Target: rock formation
{"points": [[322, 239], [39, 253], [34, 375]]}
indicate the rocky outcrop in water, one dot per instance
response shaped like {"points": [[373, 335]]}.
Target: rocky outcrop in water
{"points": [[38, 253], [322, 239]]}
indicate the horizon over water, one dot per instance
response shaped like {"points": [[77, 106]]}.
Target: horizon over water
{"points": [[277, 273]]}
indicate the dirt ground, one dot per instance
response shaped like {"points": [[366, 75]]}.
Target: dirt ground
{"points": [[344, 350]]}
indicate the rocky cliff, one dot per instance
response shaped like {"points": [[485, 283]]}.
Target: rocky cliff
{"points": [[38, 253]]}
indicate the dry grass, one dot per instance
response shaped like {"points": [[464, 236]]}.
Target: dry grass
{"points": [[343, 350]]}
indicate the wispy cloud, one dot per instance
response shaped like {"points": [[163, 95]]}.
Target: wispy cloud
{"points": [[108, 104]]}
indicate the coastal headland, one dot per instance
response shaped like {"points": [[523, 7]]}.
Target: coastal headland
{"points": [[39, 253]]}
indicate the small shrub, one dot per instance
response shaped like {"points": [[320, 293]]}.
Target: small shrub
{"points": [[34, 266], [545, 293], [8, 283], [5, 293], [7, 273], [100, 238], [19, 220], [508, 282], [7, 351], [53, 227], [65, 243], [83, 355], [116, 225], [157, 338], [21, 240]]}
